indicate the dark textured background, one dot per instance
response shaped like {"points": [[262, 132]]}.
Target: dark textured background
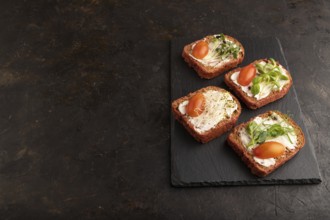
{"points": [[84, 116]]}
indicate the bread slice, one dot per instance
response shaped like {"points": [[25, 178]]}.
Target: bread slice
{"points": [[210, 71], [252, 102], [235, 140], [213, 121]]}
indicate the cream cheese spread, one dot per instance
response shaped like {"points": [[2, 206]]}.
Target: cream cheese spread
{"points": [[218, 106]]}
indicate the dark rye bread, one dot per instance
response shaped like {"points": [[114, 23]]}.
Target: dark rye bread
{"points": [[209, 72], [222, 127], [252, 102], [247, 157]]}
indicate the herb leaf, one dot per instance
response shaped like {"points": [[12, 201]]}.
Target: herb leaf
{"points": [[255, 88], [225, 49], [259, 135], [268, 74], [256, 80], [273, 61], [222, 37], [275, 130], [251, 127]]}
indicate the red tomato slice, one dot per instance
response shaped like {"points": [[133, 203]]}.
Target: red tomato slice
{"points": [[200, 50], [246, 75], [269, 150], [196, 105]]}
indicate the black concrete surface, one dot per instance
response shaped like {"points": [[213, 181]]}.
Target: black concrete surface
{"points": [[84, 107]]}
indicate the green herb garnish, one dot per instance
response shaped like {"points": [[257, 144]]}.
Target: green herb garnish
{"points": [[256, 134], [259, 134], [225, 49], [268, 74], [255, 88]]}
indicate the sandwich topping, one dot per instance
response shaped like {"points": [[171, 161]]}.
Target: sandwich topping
{"points": [[215, 50], [268, 138], [246, 75], [219, 105], [260, 79], [196, 105], [200, 49]]}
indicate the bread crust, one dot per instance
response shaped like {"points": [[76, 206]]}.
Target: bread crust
{"points": [[208, 72], [252, 102], [222, 127], [257, 169]]}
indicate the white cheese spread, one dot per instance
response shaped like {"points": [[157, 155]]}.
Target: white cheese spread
{"points": [[265, 162], [218, 106]]}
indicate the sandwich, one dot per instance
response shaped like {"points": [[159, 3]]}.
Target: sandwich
{"points": [[207, 113], [259, 83], [266, 142], [213, 55]]}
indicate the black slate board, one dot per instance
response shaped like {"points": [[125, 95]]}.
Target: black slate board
{"points": [[215, 163]]}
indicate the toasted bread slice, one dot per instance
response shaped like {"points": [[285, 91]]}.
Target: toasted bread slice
{"points": [[251, 101], [221, 112], [237, 139], [216, 62]]}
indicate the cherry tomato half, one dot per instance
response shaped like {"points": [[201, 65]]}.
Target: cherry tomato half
{"points": [[246, 75], [196, 105], [200, 50], [269, 150]]}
